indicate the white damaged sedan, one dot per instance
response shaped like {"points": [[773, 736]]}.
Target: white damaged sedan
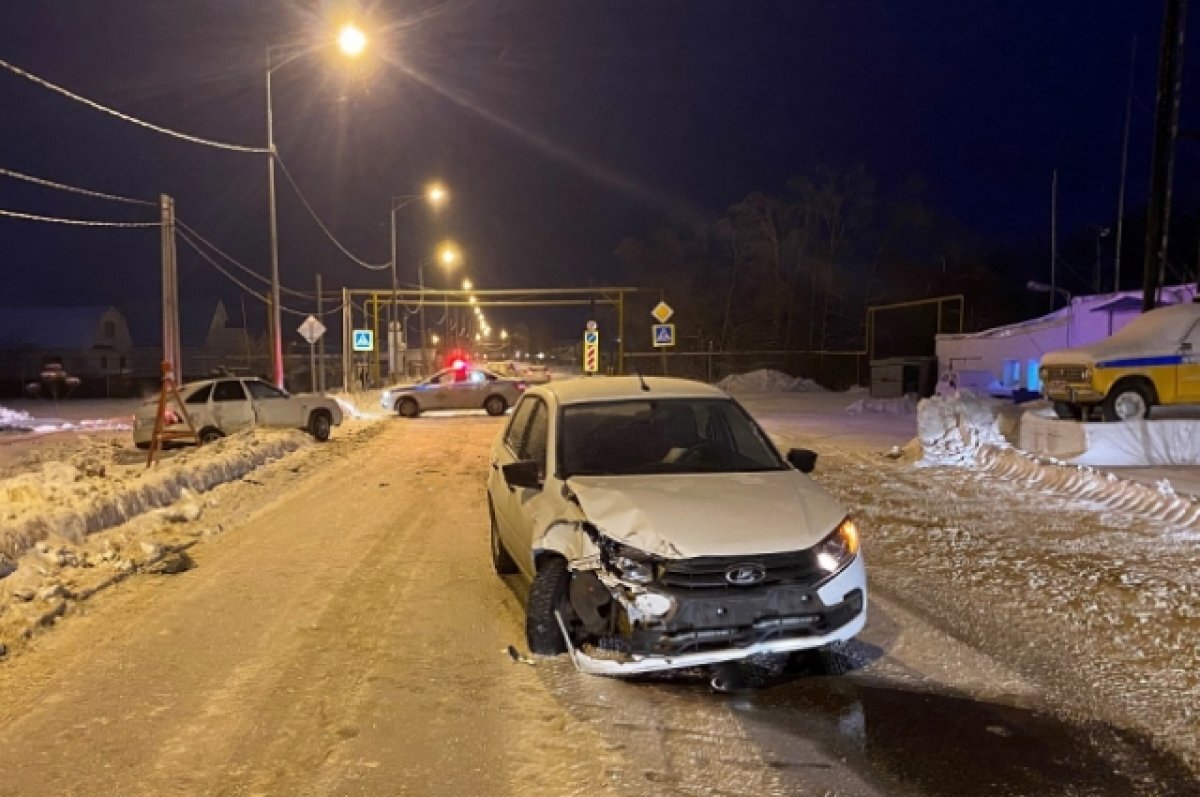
{"points": [[660, 529]]}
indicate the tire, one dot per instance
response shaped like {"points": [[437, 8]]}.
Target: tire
{"points": [[209, 435], [495, 405], [1068, 411], [547, 594], [502, 562], [320, 425], [408, 408], [1127, 401], [142, 446]]}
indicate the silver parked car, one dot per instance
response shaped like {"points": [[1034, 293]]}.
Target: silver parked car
{"points": [[461, 387], [218, 407]]}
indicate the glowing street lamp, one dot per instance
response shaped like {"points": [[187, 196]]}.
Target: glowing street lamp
{"points": [[352, 40], [504, 334], [467, 285]]}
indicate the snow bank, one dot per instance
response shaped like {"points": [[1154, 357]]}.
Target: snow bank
{"points": [[766, 380], [15, 420], [893, 406], [954, 430], [968, 432], [1153, 443], [362, 406], [83, 495]]}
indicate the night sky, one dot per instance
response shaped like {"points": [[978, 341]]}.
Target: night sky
{"points": [[560, 126]]}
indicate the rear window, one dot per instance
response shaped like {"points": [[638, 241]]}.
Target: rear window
{"points": [[200, 396]]}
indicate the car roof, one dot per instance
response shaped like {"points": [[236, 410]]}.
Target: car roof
{"points": [[618, 388]]}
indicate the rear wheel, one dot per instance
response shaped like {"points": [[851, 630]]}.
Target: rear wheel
{"points": [[210, 434], [320, 425], [407, 408], [501, 561], [1129, 401], [495, 405], [547, 596]]}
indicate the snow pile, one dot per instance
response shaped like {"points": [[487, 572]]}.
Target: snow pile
{"points": [[1140, 443], [14, 420], [767, 380], [906, 405], [361, 406], [954, 430], [71, 499]]}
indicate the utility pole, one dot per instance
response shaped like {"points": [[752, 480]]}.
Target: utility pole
{"points": [[320, 340], [394, 335], [1162, 164], [1053, 238], [172, 350], [1124, 168], [347, 332], [276, 321], [1101, 233]]}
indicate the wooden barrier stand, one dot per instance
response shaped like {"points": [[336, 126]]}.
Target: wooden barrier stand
{"points": [[161, 434]]}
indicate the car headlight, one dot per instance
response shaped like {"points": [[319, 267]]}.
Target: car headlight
{"points": [[835, 551], [1086, 374], [1043, 372], [629, 564]]}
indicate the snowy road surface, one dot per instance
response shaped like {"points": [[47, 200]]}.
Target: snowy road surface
{"points": [[345, 635]]}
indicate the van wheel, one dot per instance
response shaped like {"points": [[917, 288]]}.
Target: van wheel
{"points": [[547, 595], [1127, 402], [1068, 411]]}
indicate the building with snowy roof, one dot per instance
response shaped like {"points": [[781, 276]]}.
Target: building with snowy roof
{"points": [[88, 342], [1005, 359]]}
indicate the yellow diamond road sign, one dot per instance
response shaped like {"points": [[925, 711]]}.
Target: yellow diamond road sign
{"points": [[662, 312]]}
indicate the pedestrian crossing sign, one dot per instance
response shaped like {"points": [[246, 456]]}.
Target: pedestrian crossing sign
{"points": [[364, 340], [664, 335]]}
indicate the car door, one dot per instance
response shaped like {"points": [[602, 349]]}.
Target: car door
{"points": [[1188, 370], [231, 409], [273, 407], [434, 393], [507, 500]]}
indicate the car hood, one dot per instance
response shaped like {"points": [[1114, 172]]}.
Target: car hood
{"points": [[709, 514], [1111, 350]]}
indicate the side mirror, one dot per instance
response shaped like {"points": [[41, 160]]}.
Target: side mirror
{"points": [[802, 459], [525, 473]]}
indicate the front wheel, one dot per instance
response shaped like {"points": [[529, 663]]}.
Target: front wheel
{"points": [[547, 595], [1128, 402], [1068, 411], [320, 425], [407, 408]]}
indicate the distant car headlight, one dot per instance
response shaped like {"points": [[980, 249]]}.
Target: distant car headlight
{"points": [[835, 551]]}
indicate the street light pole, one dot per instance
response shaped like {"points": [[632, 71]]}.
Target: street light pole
{"points": [[394, 327], [421, 288], [276, 316]]}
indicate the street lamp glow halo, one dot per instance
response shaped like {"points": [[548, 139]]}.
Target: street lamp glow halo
{"points": [[351, 40]]}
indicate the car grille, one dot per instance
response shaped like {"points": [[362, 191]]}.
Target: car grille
{"points": [[1065, 373], [793, 567]]}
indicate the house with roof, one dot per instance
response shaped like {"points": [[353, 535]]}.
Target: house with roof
{"points": [[1005, 359], [92, 343]]}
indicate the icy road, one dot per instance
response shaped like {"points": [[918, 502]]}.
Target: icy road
{"points": [[345, 635]]}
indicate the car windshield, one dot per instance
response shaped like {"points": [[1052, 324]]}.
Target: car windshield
{"points": [[662, 436]]}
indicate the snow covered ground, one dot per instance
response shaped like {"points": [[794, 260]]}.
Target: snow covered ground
{"points": [[1074, 576]]}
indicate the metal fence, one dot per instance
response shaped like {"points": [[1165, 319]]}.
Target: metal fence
{"points": [[835, 370]]}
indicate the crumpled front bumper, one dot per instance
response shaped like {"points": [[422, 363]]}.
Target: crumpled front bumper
{"points": [[833, 593]]}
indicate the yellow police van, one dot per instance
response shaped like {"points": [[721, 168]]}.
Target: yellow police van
{"points": [[1153, 360]]}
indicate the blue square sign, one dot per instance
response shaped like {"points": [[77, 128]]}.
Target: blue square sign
{"points": [[364, 340], [664, 335]]}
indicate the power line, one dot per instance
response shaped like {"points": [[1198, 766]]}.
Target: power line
{"points": [[230, 259], [321, 224], [261, 297], [16, 70], [73, 189], [77, 222]]}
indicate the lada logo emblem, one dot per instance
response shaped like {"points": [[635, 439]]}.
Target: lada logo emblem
{"points": [[746, 575]]}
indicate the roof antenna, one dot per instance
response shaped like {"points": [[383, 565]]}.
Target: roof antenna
{"points": [[642, 379]]}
